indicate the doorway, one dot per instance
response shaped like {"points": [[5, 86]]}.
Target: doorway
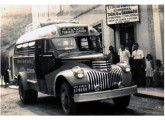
{"points": [[127, 35], [98, 27]]}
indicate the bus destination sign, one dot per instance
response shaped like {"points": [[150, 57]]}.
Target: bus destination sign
{"points": [[72, 30]]}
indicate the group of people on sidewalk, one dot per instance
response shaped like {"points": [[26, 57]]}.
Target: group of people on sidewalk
{"points": [[144, 74]]}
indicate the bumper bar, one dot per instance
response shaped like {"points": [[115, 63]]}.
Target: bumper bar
{"points": [[101, 95]]}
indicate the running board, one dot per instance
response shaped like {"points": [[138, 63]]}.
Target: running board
{"points": [[32, 81]]}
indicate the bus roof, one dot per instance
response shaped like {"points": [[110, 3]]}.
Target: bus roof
{"points": [[53, 30]]}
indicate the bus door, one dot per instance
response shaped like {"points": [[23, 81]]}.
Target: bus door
{"points": [[39, 67], [45, 63]]}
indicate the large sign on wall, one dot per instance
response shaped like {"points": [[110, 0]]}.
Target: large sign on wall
{"points": [[116, 14]]}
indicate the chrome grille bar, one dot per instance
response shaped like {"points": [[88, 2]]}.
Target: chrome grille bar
{"points": [[101, 65], [104, 80]]}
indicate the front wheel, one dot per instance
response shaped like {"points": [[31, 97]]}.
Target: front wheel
{"points": [[67, 102], [122, 102], [27, 96]]}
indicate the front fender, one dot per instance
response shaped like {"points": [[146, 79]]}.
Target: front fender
{"points": [[22, 77], [126, 76], [70, 78]]}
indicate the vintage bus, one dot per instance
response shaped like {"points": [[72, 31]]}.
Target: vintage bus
{"points": [[64, 59]]}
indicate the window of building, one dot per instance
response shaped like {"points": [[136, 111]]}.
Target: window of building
{"points": [[127, 35], [59, 9]]}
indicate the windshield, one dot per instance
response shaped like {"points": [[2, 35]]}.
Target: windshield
{"points": [[85, 43], [90, 43], [65, 43]]}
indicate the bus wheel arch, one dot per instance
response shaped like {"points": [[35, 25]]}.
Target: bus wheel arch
{"points": [[64, 88], [59, 80], [26, 94]]}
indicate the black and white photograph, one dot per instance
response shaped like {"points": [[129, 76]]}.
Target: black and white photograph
{"points": [[82, 60]]}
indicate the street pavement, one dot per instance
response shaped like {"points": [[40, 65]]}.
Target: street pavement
{"points": [[47, 105]]}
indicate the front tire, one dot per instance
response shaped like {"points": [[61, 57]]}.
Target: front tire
{"points": [[122, 102], [27, 96], [67, 102]]}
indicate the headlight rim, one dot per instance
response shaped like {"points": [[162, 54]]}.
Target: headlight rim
{"points": [[77, 70]]}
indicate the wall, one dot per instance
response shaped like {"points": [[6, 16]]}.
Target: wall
{"points": [[157, 31], [161, 7], [142, 31]]}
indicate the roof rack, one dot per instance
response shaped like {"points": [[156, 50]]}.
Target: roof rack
{"points": [[50, 22]]}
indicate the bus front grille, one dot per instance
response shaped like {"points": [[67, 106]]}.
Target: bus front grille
{"points": [[105, 80]]}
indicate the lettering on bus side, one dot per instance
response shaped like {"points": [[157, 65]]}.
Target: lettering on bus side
{"points": [[24, 57]]}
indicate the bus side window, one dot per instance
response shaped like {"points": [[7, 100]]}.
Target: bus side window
{"points": [[48, 47], [31, 48], [19, 50], [25, 49]]}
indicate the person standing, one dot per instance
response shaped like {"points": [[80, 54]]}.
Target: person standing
{"points": [[138, 66], [112, 56], [2, 73], [6, 77], [149, 70], [158, 79], [124, 54]]}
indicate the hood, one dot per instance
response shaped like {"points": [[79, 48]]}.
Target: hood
{"points": [[81, 55]]}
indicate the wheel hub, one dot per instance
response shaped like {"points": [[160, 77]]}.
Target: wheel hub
{"points": [[64, 101]]}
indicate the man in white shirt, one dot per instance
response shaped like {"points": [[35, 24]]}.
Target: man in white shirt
{"points": [[138, 66], [124, 54], [137, 54]]}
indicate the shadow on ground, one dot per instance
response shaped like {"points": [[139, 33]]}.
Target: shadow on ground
{"points": [[49, 105]]}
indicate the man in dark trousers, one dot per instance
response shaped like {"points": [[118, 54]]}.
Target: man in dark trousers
{"points": [[6, 77], [138, 66]]}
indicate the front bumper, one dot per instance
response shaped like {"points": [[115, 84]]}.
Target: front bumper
{"points": [[101, 95]]}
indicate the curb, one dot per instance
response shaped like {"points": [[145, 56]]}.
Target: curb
{"points": [[10, 87], [149, 96]]}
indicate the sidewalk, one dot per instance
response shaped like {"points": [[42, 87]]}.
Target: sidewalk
{"points": [[151, 92]]}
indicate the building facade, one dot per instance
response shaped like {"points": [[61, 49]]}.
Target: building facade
{"points": [[148, 30]]}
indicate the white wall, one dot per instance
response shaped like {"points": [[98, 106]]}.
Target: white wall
{"points": [[157, 32], [142, 32]]}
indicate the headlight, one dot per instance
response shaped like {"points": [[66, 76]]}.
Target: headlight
{"points": [[127, 69], [78, 72]]}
